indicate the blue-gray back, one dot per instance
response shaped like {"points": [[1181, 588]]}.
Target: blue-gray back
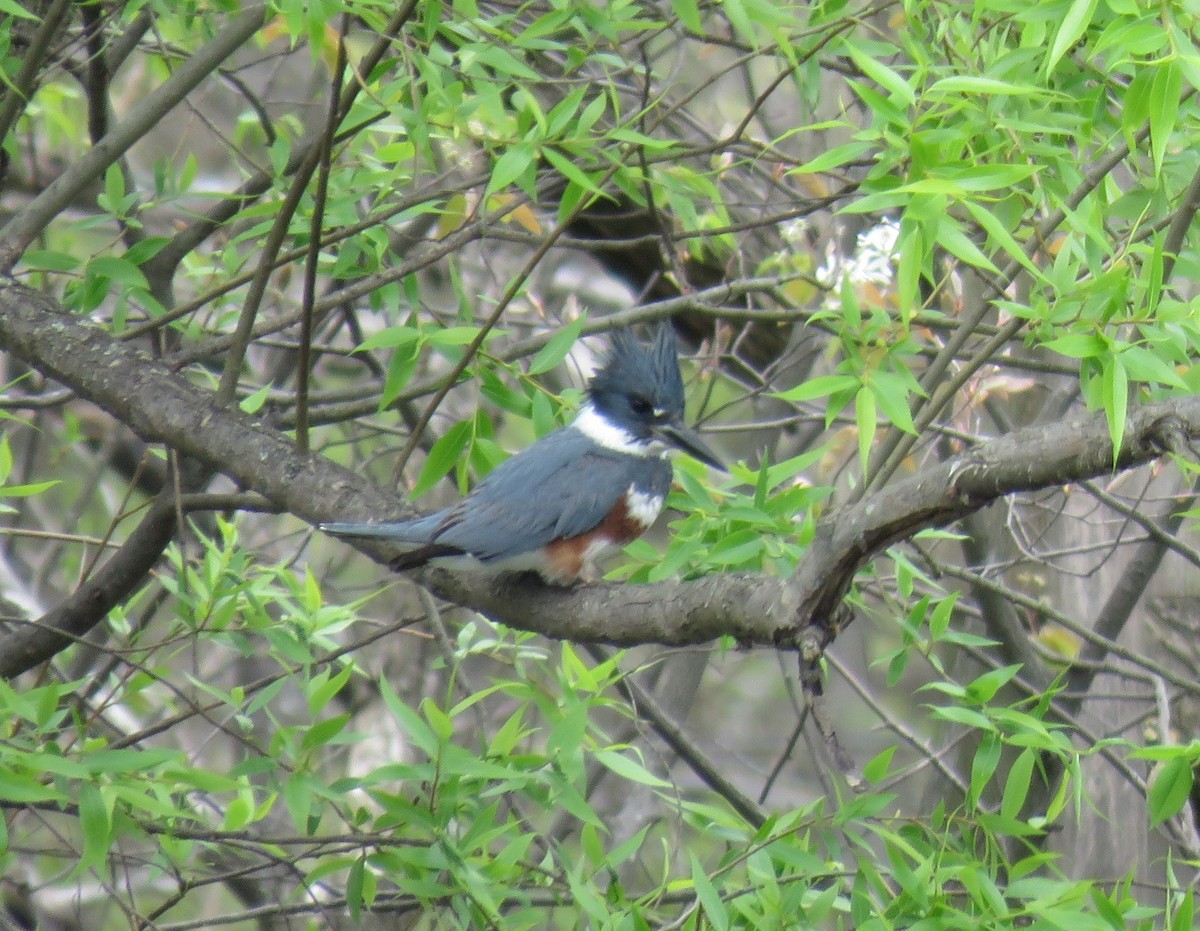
{"points": [[561, 486]]}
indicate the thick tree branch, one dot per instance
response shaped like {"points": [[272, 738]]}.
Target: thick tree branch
{"points": [[1037, 457], [162, 406], [755, 609]]}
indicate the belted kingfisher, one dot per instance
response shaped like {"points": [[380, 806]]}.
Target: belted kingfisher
{"points": [[560, 504]]}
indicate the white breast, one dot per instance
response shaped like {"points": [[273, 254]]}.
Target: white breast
{"points": [[644, 507]]}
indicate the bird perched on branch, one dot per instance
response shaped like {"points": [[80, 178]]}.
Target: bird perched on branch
{"points": [[557, 506]]}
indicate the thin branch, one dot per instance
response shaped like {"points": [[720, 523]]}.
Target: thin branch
{"points": [[312, 260], [672, 734], [28, 223], [27, 646], [1118, 606], [941, 385], [23, 84]]}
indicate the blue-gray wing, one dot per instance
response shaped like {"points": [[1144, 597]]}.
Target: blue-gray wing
{"points": [[561, 486]]}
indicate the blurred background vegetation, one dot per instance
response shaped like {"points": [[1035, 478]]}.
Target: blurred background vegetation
{"points": [[393, 236]]}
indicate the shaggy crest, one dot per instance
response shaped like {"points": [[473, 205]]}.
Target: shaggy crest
{"points": [[651, 372]]}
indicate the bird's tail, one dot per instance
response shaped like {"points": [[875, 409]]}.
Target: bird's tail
{"points": [[400, 531], [414, 559], [397, 532]]}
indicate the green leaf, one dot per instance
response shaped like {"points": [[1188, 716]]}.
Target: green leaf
{"points": [[896, 666], [1153, 268], [1073, 25], [688, 12], [1164, 109], [26, 491], [391, 338], [819, 387], [877, 767], [762, 484], [457, 336], [891, 398], [864, 807], [706, 893], [1061, 795], [865, 418], [1170, 789], [145, 249], [568, 168], [542, 413], [833, 158], [21, 787], [564, 110], [441, 723], [252, 403], [591, 113], [324, 687], [1016, 785], [1185, 910], [114, 189], [518, 163], [965, 716], [298, 797], [443, 456], [984, 763], [984, 688], [951, 238], [117, 269], [1135, 110], [400, 370], [513, 730], [977, 84], [881, 74], [96, 825], [996, 229], [628, 769], [354, 887], [1145, 365], [1115, 388], [15, 9], [790, 468], [557, 347], [939, 618], [628, 848], [1079, 345], [986, 176], [504, 62], [131, 761], [735, 12], [50, 261], [736, 548], [414, 725]]}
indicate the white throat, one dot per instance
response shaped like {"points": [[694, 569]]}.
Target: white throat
{"points": [[597, 428]]}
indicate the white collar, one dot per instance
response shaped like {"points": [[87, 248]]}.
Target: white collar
{"points": [[603, 432]]}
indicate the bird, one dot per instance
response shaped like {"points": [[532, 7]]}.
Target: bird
{"points": [[559, 505]]}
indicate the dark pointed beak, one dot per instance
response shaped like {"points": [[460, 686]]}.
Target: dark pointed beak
{"points": [[682, 437]]}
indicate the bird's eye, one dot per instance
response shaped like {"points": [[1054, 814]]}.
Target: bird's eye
{"points": [[640, 405]]}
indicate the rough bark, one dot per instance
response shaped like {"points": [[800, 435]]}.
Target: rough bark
{"points": [[163, 406]]}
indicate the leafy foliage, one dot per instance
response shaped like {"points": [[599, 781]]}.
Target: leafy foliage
{"points": [[887, 233]]}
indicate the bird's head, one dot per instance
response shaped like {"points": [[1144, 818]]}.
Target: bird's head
{"points": [[639, 390]]}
